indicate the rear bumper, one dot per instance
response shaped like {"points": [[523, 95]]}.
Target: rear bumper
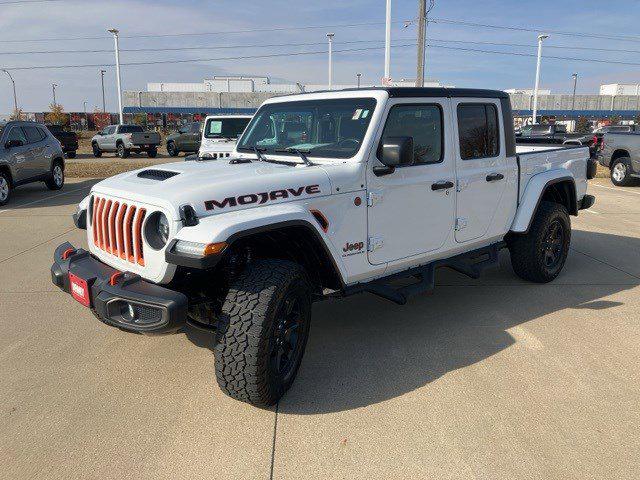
{"points": [[123, 300]]}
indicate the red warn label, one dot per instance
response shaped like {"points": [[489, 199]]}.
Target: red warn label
{"points": [[79, 289]]}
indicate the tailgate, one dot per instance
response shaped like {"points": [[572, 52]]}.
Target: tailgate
{"points": [[145, 138]]}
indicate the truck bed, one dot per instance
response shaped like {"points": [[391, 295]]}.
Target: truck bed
{"points": [[145, 138]]}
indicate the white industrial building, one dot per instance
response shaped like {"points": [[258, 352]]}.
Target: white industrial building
{"points": [[246, 84], [620, 89]]}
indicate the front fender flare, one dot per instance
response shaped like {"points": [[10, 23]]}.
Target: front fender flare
{"points": [[532, 196]]}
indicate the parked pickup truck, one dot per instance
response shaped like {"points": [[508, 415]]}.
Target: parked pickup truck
{"points": [[620, 153], [328, 194], [554, 134], [68, 140], [220, 134], [124, 140]]}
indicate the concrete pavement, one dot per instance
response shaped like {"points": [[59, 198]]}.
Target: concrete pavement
{"points": [[487, 379]]}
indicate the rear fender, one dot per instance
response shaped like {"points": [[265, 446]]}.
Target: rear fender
{"points": [[534, 192]]}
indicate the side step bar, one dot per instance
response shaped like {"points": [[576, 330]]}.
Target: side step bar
{"points": [[470, 264]]}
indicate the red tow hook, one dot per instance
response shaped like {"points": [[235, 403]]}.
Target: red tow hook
{"points": [[68, 252], [114, 278]]}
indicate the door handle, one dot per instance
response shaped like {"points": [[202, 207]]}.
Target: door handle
{"points": [[494, 177], [442, 185]]}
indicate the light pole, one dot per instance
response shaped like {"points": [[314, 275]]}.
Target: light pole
{"points": [[53, 87], [104, 104], [86, 117], [15, 98], [330, 37], [115, 32], [358, 75], [387, 46], [535, 90], [422, 34], [575, 84]]}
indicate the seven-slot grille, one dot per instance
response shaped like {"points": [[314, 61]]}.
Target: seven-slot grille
{"points": [[117, 228]]}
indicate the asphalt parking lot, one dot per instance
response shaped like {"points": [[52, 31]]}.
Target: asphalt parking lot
{"points": [[487, 379]]}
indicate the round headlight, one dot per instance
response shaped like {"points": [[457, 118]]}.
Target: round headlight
{"points": [[162, 228], [157, 230]]}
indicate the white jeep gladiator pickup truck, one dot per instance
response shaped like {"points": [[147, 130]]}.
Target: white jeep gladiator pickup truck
{"points": [[327, 194]]}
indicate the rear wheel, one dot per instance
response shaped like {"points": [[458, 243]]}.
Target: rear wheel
{"points": [[5, 188], [539, 255], [172, 150], [263, 331], [56, 177], [621, 172], [71, 154], [121, 151], [96, 150], [152, 153]]}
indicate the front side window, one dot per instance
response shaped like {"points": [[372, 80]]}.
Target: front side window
{"points": [[225, 127], [332, 128], [16, 133], [424, 124], [478, 130]]}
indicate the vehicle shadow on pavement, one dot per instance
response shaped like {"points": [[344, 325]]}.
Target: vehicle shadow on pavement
{"points": [[364, 350], [37, 195]]}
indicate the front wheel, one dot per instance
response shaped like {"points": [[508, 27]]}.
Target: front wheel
{"points": [[5, 188], [540, 255], [263, 331]]}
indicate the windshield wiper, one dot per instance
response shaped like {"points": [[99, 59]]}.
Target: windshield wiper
{"points": [[300, 153], [258, 151]]}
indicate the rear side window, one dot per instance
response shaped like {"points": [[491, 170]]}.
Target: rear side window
{"points": [[478, 130], [424, 124], [33, 134], [195, 128], [130, 129]]}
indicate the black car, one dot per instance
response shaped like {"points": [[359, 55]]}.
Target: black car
{"points": [[186, 139], [68, 140]]}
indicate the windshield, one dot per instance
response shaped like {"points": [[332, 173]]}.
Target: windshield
{"points": [[331, 128], [225, 127], [131, 129], [540, 129]]}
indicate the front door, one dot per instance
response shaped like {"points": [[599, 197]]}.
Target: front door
{"points": [[412, 210], [482, 166], [19, 156]]}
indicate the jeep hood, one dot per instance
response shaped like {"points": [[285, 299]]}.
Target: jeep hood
{"points": [[214, 187]]}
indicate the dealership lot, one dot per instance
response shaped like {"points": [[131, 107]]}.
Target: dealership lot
{"points": [[495, 378]]}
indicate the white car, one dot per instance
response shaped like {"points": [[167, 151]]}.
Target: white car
{"points": [[220, 134], [327, 194]]}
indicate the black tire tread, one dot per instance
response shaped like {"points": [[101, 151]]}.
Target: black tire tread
{"points": [[523, 248], [241, 351]]}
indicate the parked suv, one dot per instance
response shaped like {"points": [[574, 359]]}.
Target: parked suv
{"points": [[125, 139], [28, 153], [186, 139]]}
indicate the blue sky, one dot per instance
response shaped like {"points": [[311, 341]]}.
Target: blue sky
{"points": [[64, 18]]}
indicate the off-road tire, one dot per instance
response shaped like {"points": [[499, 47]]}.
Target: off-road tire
{"points": [[622, 166], [96, 150], [6, 187], [244, 355], [172, 150], [121, 151], [528, 251], [55, 180], [152, 153]]}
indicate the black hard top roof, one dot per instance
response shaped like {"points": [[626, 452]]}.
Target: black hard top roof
{"points": [[413, 92]]}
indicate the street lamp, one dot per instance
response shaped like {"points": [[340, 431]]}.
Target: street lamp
{"points": [[86, 117], [330, 37], [15, 98], [104, 104], [535, 90], [53, 87], [575, 84], [387, 45], [115, 32], [358, 75]]}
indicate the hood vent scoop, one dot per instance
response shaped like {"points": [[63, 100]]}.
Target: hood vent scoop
{"points": [[159, 175]]}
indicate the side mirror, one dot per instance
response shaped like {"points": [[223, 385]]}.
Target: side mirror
{"points": [[394, 152], [13, 143]]}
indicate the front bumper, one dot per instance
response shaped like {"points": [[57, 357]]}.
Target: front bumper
{"points": [[123, 300]]}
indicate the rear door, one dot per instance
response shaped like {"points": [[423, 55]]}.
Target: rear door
{"points": [[37, 157], [412, 210], [194, 136], [482, 166]]}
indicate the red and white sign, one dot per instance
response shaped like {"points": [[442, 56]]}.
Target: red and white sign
{"points": [[79, 289]]}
